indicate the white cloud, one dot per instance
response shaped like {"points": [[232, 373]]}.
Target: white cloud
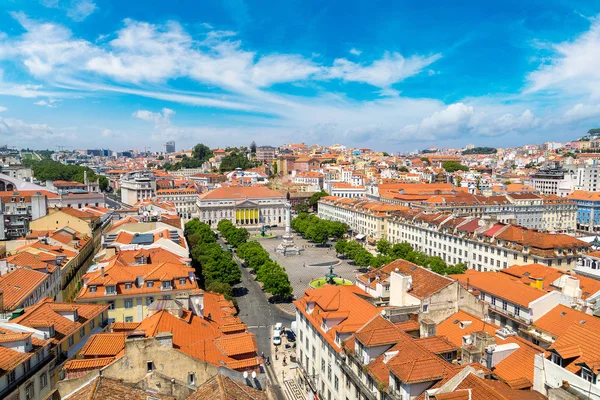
{"points": [[2, 108], [573, 68], [162, 118], [108, 133], [355, 52], [390, 69], [81, 9], [580, 112], [77, 10], [281, 68], [50, 103], [19, 131]]}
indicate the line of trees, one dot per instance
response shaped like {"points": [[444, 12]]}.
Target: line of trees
{"points": [[480, 150], [318, 230], [216, 266], [273, 276], [234, 236], [453, 166], [386, 253]]}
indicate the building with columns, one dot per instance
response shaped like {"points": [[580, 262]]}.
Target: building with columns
{"points": [[242, 205]]}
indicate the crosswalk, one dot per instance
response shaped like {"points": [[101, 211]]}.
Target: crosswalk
{"points": [[292, 390]]}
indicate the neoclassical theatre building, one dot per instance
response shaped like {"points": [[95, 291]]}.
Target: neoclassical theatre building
{"points": [[242, 205]]}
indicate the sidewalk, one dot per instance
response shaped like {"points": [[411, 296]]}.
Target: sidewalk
{"points": [[286, 373]]}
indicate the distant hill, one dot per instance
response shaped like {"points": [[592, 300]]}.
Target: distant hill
{"points": [[480, 150]]}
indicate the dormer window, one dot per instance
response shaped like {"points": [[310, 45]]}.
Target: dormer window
{"points": [[128, 285], [110, 289], [166, 285], [556, 359], [588, 375], [93, 289], [182, 281], [150, 284]]}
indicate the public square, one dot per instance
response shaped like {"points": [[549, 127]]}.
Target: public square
{"points": [[301, 269]]}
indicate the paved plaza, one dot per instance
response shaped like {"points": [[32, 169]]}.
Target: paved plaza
{"points": [[299, 267]]}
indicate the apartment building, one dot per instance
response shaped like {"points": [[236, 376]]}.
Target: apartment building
{"points": [[184, 200], [68, 327], [25, 363], [511, 303], [22, 287], [588, 210], [18, 208], [554, 179], [136, 186], [266, 153], [479, 243], [325, 318], [130, 290], [402, 285]]}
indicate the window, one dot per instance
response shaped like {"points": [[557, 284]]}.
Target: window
{"points": [[149, 366], [71, 340], [166, 285], [191, 378], [93, 289], [150, 284], [128, 303], [27, 365], [128, 285], [82, 332], [493, 301], [425, 308], [182, 281], [504, 305], [129, 319], [556, 359], [149, 300], [92, 324], [322, 365], [111, 305], [587, 374], [43, 380], [30, 392], [336, 383], [110, 289]]}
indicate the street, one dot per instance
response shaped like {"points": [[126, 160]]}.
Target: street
{"points": [[260, 316]]}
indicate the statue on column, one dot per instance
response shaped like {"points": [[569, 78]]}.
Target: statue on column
{"points": [[287, 246]]}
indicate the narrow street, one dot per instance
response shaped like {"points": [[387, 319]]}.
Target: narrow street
{"points": [[260, 316]]}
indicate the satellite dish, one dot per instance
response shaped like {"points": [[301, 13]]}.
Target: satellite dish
{"points": [[245, 374], [253, 374]]}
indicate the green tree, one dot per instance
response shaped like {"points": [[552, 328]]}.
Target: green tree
{"points": [[363, 258], [301, 207], [400, 250], [201, 152], [220, 287], [453, 166], [352, 249], [340, 246], [314, 199], [384, 246], [317, 233]]}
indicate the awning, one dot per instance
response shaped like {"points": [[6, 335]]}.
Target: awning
{"points": [[360, 236]]}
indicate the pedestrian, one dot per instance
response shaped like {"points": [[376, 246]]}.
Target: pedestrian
{"points": [[263, 355]]}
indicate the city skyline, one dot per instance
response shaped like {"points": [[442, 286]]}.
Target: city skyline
{"points": [[392, 77]]}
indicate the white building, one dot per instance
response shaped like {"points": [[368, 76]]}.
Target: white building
{"points": [[137, 186], [242, 205]]}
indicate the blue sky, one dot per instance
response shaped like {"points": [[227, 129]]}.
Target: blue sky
{"points": [[390, 75]]}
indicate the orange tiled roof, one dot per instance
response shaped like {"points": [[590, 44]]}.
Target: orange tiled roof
{"points": [[241, 192], [48, 310], [17, 285], [106, 344], [579, 345], [491, 282]]}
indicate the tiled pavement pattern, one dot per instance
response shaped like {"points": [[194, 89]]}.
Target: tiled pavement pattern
{"points": [[292, 390], [298, 269]]}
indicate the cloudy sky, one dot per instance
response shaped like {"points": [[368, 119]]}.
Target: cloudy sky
{"points": [[390, 75]]}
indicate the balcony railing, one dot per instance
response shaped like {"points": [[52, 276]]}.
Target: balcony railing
{"points": [[364, 389], [510, 314]]}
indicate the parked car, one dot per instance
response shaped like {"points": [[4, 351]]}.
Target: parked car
{"points": [[277, 338]]}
